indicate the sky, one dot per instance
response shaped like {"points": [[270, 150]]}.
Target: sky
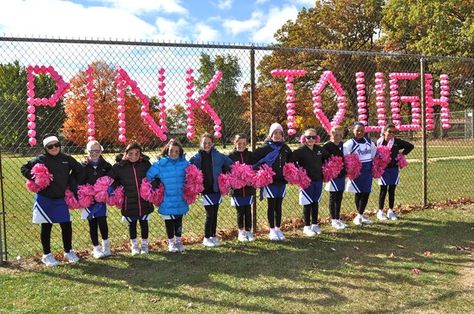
{"points": [[201, 21]]}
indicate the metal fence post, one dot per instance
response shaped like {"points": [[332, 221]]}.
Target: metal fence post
{"points": [[424, 158], [252, 126], [3, 235]]}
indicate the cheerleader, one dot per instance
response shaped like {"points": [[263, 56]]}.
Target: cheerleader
{"points": [[170, 169], [335, 187], [361, 146], [212, 163], [95, 167], [311, 156], [243, 198], [49, 206], [275, 153], [129, 172], [391, 175]]}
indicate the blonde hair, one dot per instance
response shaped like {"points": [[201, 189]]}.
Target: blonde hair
{"points": [[337, 128], [310, 130], [92, 143]]}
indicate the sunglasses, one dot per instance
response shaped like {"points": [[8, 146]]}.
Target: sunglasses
{"points": [[51, 146], [311, 137]]}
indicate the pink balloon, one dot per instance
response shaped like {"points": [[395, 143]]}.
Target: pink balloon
{"points": [[122, 138], [90, 138], [31, 109], [121, 116], [31, 117], [121, 108], [32, 141], [90, 131], [290, 112], [217, 128], [31, 125], [30, 93], [90, 109], [31, 133], [217, 134], [91, 124], [291, 132], [291, 118]]}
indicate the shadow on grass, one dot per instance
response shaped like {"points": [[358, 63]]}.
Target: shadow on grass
{"points": [[370, 258]]}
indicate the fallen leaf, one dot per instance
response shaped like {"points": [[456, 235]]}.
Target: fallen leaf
{"points": [[400, 246], [427, 253], [333, 249], [190, 305], [356, 247], [154, 300], [416, 271]]}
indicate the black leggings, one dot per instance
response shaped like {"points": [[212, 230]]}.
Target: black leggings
{"points": [[310, 213], [94, 225], [210, 226], [391, 195], [66, 232], [274, 212], [174, 227], [132, 228], [335, 200], [361, 200], [244, 217]]}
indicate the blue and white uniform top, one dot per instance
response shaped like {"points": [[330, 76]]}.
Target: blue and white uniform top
{"points": [[365, 149]]}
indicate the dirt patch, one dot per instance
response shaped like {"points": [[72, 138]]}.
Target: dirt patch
{"points": [[467, 277]]}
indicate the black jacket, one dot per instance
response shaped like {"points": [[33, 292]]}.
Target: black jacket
{"points": [[93, 173], [65, 170], [335, 150], [398, 145], [311, 160], [245, 157], [130, 176], [284, 157]]}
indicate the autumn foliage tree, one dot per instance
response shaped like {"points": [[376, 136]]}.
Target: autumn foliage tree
{"points": [[106, 121]]}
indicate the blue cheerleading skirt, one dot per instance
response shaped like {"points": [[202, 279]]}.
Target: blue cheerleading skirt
{"points": [[241, 200], [273, 191], [50, 210], [335, 185], [211, 199], [312, 194], [363, 183], [94, 211], [391, 176]]}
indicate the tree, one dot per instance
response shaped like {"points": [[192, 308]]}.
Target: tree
{"points": [[13, 130], [225, 98], [106, 121], [341, 25], [176, 121]]}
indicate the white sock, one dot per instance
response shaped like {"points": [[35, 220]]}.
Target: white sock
{"points": [[96, 247], [272, 229], [177, 239], [134, 242], [144, 241], [277, 228], [105, 242]]}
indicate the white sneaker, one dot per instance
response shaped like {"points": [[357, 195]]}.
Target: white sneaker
{"points": [[208, 242], [97, 252], [334, 223], [280, 234], [135, 249], [273, 235], [215, 241], [341, 223], [307, 231], [71, 257], [357, 220], [144, 248], [179, 245], [49, 260], [106, 248], [366, 220], [316, 229], [381, 216], [250, 236], [391, 215], [242, 237], [172, 247]]}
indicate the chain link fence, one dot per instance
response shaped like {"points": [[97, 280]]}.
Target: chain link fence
{"points": [[248, 100]]}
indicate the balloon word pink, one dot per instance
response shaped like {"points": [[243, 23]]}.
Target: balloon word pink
{"points": [[32, 101]]}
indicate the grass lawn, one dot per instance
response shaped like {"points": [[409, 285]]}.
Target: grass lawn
{"points": [[420, 263]]}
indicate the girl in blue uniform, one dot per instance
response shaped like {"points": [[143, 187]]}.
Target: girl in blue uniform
{"points": [[170, 169], [275, 153], [212, 163], [336, 185], [311, 157], [362, 146], [49, 206], [95, 167], [243, 198], [391, 175]]}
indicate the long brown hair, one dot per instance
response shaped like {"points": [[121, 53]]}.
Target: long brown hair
{"points": [[171, 143]]}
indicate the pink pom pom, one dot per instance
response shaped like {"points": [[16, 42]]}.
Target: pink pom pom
{"points": [[401, 161], [224, 183], [41, 175], [151, 195], [296, 175], [332, 167], [193, 184], [263, 177], [241, 175], [353, 166], [71, 200], [117, 197], [101, 187], [32, 186], [86, 195]]}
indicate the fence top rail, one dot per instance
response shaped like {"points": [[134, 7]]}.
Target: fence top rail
{"points": [[251, 46]]}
